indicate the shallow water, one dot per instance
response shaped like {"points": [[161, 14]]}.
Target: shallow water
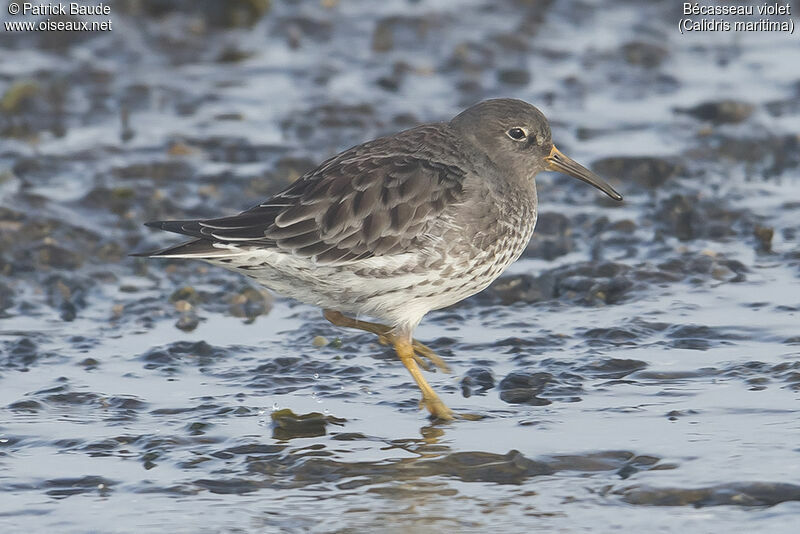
{"points": [[637, 370]]}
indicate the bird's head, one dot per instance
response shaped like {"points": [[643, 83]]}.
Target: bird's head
{"points": [[516, 137]]}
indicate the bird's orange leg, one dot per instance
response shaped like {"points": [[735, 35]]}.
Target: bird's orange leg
{"points": [[386, 336], [405, 350]]}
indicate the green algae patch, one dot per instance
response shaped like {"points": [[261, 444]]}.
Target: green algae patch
{"points": [[288, 425]]}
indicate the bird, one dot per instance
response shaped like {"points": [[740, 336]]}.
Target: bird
{"points": [[396, 227]]}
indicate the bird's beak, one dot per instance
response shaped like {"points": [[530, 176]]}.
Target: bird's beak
{"points": [[557, 161]]}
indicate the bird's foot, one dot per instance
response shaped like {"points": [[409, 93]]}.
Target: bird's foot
{"points": [[423, 351], [437, 408]]}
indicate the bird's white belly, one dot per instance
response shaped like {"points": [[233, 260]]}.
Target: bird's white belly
{"points": [[398, 289], [377, 287]]}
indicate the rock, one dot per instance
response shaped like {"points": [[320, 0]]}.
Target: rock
{"points": [[251, 303], [54, 256], [167, 171], [188, 321], [692, 217], [772, 154], [739, 494], [288, 425], [514, 76], [523, 288], [183, 352], [643, 54], [400, 32], [17, 95], [521, 387], [649, 172], [6, 298], [763, 235], [611, 368], [299, 30], [477, 379], [720, 112], [552, 237], [21, 353], [229, 14], [187, 294]]}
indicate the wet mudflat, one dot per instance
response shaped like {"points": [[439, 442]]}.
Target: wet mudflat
{"points": [[637, 370]]}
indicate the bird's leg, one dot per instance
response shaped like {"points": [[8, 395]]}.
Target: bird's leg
{"points": [[405, 350], [339, 319], [387, 337]]}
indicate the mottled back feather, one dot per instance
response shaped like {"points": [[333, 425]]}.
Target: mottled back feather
{"points": [[359, 204]]}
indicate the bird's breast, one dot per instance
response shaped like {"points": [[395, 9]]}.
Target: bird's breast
{"points": [[492, 230]]}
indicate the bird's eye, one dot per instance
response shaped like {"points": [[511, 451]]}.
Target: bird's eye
{"points": [[517, 134]]}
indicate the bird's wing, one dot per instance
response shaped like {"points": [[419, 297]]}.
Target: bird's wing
{"points": [[356, 205]]}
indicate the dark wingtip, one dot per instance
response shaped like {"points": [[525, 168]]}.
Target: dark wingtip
{"points": [[187, 227], [197, 248], [161, 225]]}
